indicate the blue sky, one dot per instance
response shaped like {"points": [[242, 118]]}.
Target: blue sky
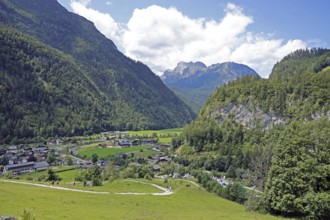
{"points": [[162, 33]]}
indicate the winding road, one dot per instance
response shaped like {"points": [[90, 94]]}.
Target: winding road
{"points": [[165, 192]]}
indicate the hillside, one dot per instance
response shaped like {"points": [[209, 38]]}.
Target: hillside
{"points": [[80, 82], [195, 82], [77, 205], [295, 91], [275, 131]]}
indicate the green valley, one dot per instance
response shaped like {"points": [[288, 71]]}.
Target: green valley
{"points": [[87, 131]]}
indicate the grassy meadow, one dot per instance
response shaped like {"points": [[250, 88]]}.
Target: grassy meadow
{"points": [[104, 152], [188, 202], [164, 132], [116, 186]]}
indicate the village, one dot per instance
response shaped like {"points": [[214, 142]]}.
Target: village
{"points": [[144, 154], [23, 158]]}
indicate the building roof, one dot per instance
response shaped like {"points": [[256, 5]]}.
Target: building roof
{"points": [[156, 167], [42, 164], [13, 166]]}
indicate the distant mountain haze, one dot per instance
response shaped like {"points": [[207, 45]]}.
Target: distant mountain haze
{"points": [[194, 82]]}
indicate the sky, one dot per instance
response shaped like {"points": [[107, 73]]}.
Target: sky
{"points": [[161, 33]]}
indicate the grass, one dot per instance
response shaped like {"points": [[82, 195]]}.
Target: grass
{"points": [[116, 186], [187, 203], [172, 131], [112, 187], [104, 152], [166, 140]]}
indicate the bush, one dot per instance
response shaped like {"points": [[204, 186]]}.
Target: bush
{"points": [[29, 178], [255, 202], [9, 175], [27, 215], [41, 178], [148, 176], [97, 182]]}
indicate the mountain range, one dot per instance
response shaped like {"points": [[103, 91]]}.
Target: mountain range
{"points": [[60, 76], [194, 82]]}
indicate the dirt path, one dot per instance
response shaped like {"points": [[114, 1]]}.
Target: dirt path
{"points": [[164, 193]]}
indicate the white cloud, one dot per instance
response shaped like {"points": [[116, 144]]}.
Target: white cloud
{"points": [[83, 2], [162, 37], [103, 22]]}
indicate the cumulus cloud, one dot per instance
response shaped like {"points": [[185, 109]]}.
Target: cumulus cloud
{"points": [[103, 22], [83, 2], [162, 37]]}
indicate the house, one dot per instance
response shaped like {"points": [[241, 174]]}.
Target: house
{"points": [[73, 151], [127, 142], [159, 159], [245, 176], [13, 147], [88, 165], [103, 145], [41, 149], [39, 166], [28, 150], [176, 176], [156, 168], [156, 148], [149, 142], [222, 181], [21, 168], [165, 145], [165, 159], [188, 176], [54, 142], [122, 155], [3, 151], [101, 164]]}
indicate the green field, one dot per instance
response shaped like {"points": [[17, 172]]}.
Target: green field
{"points": [[166, 140], [104, 152], [171, 132], [188, 202]]}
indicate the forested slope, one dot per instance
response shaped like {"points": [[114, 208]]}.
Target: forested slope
{"points": [[272, 130], [81, 83]]}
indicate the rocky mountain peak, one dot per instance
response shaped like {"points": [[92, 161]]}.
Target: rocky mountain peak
{"points": [[184, 70]]}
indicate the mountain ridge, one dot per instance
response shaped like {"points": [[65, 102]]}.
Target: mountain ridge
{"points": [[128, 95], [195, 81]]}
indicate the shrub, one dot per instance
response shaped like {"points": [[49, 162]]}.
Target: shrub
{"points": [[255, 202], [29, 178], [41, 178]]}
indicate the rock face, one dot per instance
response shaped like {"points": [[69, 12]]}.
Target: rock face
{"points": [[247, 115], [297, 91]]}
